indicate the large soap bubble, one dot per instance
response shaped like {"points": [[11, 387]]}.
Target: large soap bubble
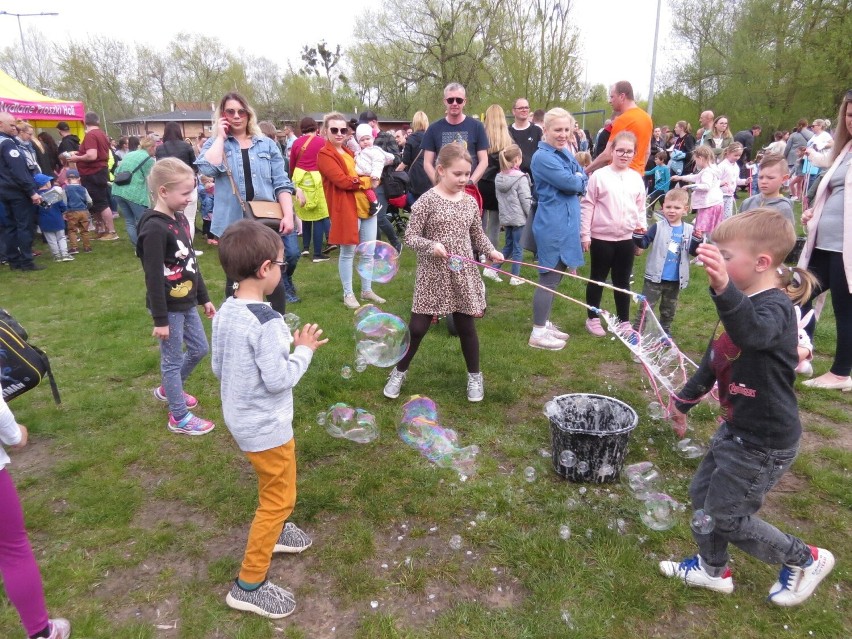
{"points": [[376, 261], [421, 430], [366, 311], [354, 424], [381, 339], [643, 478], [659, 512]]}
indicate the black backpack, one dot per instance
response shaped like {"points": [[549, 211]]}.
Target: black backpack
{"points": [[22, 365]]}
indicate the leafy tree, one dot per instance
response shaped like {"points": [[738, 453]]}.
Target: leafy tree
{"points": [[323, 62]]}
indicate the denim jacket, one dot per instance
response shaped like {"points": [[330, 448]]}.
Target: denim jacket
{"points": [[267, 176]]}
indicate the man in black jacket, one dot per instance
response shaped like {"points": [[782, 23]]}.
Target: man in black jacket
{"points": [[69, 141], [18, 194]]}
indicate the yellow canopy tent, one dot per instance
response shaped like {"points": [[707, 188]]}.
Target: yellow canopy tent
{"points": [[39, 110]]}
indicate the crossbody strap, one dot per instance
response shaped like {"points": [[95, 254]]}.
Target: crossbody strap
{"points": [[140, 165], [234, 188]]}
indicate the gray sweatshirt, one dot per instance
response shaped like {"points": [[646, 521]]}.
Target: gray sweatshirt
{"points": [[252, 359], [780, 204], [513, 197]]}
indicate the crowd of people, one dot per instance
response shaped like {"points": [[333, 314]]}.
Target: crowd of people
{"points": [[549, 186]]}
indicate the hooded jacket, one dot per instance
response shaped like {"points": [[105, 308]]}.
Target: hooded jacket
{"points": [[513, 197]]}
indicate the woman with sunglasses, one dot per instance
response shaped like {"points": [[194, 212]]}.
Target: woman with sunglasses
{"points": [[257, 166], [348, 207]]}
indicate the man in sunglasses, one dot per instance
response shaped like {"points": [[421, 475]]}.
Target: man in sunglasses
{"points": [[456, 127]]}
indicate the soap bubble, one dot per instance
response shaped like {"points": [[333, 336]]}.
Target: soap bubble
{"points": [[551, 409], [366, 311], [605, 471], [456, 264], [564, 532], [567, 459], [658, 514], [583, 490], [456, 542], [346, 372], [582, 467], [421, 430], [321, 418], [702, 523], [690, 449], [292, 321], [656, 410], [381, 339], [529, 474], [360, 364], [354, 424], [376, 261], [643, 478]]}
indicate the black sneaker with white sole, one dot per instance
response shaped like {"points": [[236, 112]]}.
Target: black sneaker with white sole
{"points": [[268, 600], [292, 540]]}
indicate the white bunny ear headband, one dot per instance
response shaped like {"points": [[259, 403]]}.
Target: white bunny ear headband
{"points": [[803, 321]]}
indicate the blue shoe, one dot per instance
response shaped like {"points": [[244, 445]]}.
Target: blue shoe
{"points": [[190, 425]]}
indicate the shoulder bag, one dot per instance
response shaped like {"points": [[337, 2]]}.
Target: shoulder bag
{"points": [[123, 178], [268, 213]]}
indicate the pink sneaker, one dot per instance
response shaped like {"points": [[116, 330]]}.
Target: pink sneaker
{"points": [[160, 393], [190, 425], [59, 629], [594, 327]]}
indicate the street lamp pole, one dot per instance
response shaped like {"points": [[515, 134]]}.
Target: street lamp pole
{"points": [[25, 15], [654, 61]]}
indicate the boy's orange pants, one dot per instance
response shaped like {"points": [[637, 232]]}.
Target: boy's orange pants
{"points": [[276, 492]]}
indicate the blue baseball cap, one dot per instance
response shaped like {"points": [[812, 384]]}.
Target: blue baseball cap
{"points": [[41, 179]]}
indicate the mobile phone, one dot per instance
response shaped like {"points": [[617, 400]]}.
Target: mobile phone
{"points": [[227, 128]]}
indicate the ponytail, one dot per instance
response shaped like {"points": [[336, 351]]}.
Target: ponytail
{"points": [[508, 156], [798, 283]]}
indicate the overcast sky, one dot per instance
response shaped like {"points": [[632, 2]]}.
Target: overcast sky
{"points": [[618, 36]]}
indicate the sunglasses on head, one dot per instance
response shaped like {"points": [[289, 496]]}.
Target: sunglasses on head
{"points": [[335, 131], [454, 100], [232, 112]]}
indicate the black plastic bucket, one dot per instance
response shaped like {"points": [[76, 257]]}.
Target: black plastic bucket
{"points": [[595, 430]]}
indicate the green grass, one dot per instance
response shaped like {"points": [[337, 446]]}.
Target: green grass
{"points": [[135, 527]]}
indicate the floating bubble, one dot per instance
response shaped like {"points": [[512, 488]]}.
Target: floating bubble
{"points": [[456, 264], [481, 516], [565, 532], [346, 372], [583, 490], [571, 503], [656, 410], [582, 467], [551, 409], [376, 261], [658, 514], [360, 364], [529, 474], [702, 523], [690, 449], [568, 459], [366, 311], [381, 339], [456, 542], [643, 478], [321, 418], [421, 430], [374, 604], [606, 470], [355, 424], [292, 321]]}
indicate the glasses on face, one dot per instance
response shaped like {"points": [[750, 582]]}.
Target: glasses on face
{"points": [[625, 153], [232, 112], [280, 263], [723, 124], [454, 100], [335, 131], [522, 108]]}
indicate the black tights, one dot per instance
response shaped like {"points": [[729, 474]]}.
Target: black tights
{"points": [[419, 325], [616, 257]]}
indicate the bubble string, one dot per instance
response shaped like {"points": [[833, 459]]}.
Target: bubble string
{"points": [[637, 297]]}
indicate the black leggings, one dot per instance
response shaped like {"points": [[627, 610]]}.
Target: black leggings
{"points": [[277, 299], [617, 258], [419, 326], [827, 266]]}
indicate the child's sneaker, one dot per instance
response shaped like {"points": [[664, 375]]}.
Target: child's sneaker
{"points": [[547, 342], [796, 584], [374, 208], [553, 329], [292, 540], [73, 251], [160, 393], [394, 385], [67, 258], [268, 600], [370, 296], [59, 629], [630, 334], [475, 387], [593, 325], [491, 275], [190, 425], [514, 281], [693, 574]]}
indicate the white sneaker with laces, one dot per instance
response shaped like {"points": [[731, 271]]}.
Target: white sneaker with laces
{"points": [[692, 573], [349, 301], [491, 275], [553, 329], [514, 281], [795, 584], [59, 629], [547, 342], [475, 387], [394, 384], [372, 297]]}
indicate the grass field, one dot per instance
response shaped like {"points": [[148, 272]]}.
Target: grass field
{"points": [[139, 532]]}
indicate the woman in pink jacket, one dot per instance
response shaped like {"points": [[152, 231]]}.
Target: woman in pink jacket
{"points": [[612, 209]]}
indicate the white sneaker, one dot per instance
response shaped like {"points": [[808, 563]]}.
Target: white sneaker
{"points": [[349, 301], [553, 329], [197, 253], [692, 573], [475, 387], [491, 275], [59, 628], [370, 296], [796, 584], [67, 258], [394, 385], [514, 281], [548, 342]]}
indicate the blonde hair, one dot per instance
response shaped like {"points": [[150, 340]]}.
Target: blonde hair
{"points": [[420, 121], [678, 195], [584, 158], [825, 124], [705, 153], [509, 155], [766, 230], [624, 135], [496, 129], [555, 114], [773, 159], [451, 152], [166, 173], [686, 126], [147, 142], [334, 115], [251, 117], [734, 147]]}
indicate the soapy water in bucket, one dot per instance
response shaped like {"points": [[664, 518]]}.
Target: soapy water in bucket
{"points": [[381, 339], [420, 429], [345, 422], [376, 261]]}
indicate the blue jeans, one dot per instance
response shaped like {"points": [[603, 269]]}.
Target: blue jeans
{"points": [[132, 214], [18, 230], [513, 249], [291, 251], [730, 484], [316, 231], [366, 233], [175, 363]]}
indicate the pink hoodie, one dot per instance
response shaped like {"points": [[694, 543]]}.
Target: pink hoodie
{"points": [[614, 205]]}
